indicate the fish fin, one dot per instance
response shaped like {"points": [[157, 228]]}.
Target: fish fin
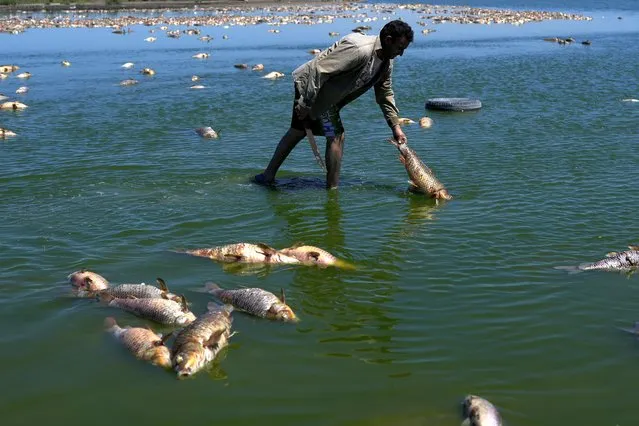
{"points": [[283, 298], [296, 245], [570, 269], [267, 250], [392, 142], [402, 159], [339, 263], [110, 322], [633, 247], [212, 306], [104, 297], [466, 422], [130, 296], [412, 184], [162, 284], [212, 342], [612, 254], [164, 338], [184, 303], [210, 287], [236, 257], [164, 296]]}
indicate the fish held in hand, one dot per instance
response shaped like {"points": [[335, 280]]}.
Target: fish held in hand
{"points": [[141, 291], [312, 255], [422, 178], [162, 311], [255, 301], [87, 283], [244, 253], [197, 344], [478, 411], [143, 343]]}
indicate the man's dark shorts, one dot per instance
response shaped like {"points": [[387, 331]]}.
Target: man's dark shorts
{"points": [[329, 124]]}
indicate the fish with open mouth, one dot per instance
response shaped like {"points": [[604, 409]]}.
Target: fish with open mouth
{"points": [[87, 283], [143, 343], [197, 344]]}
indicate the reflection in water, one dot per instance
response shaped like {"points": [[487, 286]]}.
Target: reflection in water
{"points": [[350, 309]]}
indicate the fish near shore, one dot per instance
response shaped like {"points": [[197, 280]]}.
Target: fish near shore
{"points": [[197, 344], [141, 291], [311, 255], [478, 411], [243, 253], [421, 178], [255, 301], [162, 311], [143, 343]]}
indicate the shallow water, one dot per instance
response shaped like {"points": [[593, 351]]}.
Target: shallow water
{"points": [[447, 300]]}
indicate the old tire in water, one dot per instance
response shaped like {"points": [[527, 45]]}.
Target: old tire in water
{"points": [[453, 104]]}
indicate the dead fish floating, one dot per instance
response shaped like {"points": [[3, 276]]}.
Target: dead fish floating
{"points": [[421, 178], [129, 82], [244, 253], [425, 122], [22, 90], [241, 66], [625, 261], [143, 343], [140, 291], [207, 132], [6, 133], [197, 344], [65, 63], [13, 105], [255, 301], [197, 87], [8, 68], [478, 411], [273, 75], [163, 311], [148, 71], [258, 67], [127, 65], [311, 255], [201, 55]]}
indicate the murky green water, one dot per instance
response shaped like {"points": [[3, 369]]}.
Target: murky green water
{"points": [[447, 300]]}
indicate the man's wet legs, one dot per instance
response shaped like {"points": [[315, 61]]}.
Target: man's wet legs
{"points": [[334, 153], [284, 148]]}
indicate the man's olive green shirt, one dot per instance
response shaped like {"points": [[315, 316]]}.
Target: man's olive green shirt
{"points": [[331, 77]]}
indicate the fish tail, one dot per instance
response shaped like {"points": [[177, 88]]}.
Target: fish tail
{"points": [[105, 297], [392, 142], [339, 263], [634, 330]]}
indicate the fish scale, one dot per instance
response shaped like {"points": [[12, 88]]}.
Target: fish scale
{"points": [[162, 311], [140, 291], [143, 343], [625, 260], [252, 300]]}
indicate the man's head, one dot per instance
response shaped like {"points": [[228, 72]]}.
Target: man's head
{"points": [[395, 37]]}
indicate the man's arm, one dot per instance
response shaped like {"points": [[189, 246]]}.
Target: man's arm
{"points": [[386, 99]]}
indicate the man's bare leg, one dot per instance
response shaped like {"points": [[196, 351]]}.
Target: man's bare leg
{"points": [[284, 148], [334, 153]]}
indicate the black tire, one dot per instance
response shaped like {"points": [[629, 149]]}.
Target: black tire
{"points": [[453, 104]]}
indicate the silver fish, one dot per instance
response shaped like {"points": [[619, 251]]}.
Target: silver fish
{"points": [[141, 291], [479, 412], [143, 343], [197, 344], [624, 261], [162, 311], [128, 82], [422, 178], [255, 301], [243, 252]]}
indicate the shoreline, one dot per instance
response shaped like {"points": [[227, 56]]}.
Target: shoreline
{"points": [[161, 5]]}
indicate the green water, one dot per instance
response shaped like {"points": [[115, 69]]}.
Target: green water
{"points": [[447, 300]]}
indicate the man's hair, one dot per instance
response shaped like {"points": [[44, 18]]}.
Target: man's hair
{"points": [[397, 29]]}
